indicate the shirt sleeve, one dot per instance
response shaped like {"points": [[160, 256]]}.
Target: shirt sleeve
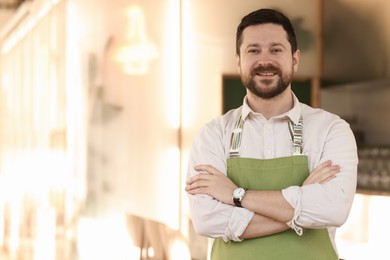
{"points": [[211, 217], [328, 204]]}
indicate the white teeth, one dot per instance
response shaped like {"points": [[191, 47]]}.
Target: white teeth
{"points": [[266, 74]]}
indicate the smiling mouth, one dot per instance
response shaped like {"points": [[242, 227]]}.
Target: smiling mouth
{"points": [[266, 71], [266, 74]]}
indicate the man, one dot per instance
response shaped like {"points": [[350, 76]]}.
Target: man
{"points": [[275, 177]]}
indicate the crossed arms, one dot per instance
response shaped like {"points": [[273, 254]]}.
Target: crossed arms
{"points": [[271, 210]]}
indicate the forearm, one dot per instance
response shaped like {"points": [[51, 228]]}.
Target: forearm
{"points": [[270, 204], [215, 219], [327, 204], [320, 205], [261, 226]]}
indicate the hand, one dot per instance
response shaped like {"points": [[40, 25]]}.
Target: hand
{"points": [[322, 173], [212, 182]]}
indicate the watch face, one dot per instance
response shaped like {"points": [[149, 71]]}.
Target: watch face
{"points": [[238, 193]]}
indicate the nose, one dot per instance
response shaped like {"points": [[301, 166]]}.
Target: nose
{"points": [[264, 63], [264, 58]]}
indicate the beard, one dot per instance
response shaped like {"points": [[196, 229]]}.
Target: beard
{"points": [[279, 87]]}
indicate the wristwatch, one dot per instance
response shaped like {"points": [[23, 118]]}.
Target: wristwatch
{"points": [[238, 195]]}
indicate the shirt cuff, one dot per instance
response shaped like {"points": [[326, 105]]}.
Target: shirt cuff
{"points": [[238, 222], [293, 196]]}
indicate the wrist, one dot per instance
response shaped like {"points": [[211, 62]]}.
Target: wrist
{"points": [[238, 196]]}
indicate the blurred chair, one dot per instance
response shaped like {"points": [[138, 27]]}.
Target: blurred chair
{"points": [[156, 240], [136, 229]]}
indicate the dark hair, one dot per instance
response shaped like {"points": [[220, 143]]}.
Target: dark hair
{"points": [[263, 16]]}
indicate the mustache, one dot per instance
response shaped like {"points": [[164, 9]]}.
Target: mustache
{"points": [[266, 68]]}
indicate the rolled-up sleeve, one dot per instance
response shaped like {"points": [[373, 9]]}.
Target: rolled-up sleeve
{"points": [[214, 219], [211, 217], [327, 204]]}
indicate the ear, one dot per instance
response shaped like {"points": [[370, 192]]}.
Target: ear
{"points": [[295, 57], [238, 60]]}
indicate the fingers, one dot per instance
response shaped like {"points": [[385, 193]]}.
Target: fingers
{"points": [[198, 183], [196, 190], [207, 168], [198, 178], [208, 181], [323, 166], [329, 178], [202, 169], [323, 173], [326, 167]]}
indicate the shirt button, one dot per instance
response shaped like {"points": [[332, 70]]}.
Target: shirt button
{"points": [[269, 152]]}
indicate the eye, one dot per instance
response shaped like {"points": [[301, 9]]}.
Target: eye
{"points": [[253, 50], [276, 50]]}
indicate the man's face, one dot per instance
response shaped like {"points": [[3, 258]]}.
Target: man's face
{"points": [[265, 63]]}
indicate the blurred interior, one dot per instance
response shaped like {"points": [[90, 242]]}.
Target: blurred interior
{"points": [[100, 101]]}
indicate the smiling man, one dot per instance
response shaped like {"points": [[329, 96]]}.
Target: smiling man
{"points": [[273, 178]]}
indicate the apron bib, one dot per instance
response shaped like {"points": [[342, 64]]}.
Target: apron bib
{"points": [[273, 174]]}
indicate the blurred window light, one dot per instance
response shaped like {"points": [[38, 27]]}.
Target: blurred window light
{"points": [[24, 29], [5, 82], [105, 238], [137, 51], [179, 249]]}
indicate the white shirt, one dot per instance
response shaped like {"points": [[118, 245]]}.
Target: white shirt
{"points": [[325, 137]]}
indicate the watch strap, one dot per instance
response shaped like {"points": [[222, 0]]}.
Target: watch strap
{"points": [[237, 202]]}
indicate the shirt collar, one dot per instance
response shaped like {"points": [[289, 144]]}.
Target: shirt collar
{"points": [[293, 114]]}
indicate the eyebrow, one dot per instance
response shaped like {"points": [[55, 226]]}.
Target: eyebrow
{"points": [[278, 44], [274, 44]]}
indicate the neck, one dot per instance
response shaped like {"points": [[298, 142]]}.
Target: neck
{"points": [[271, 107]]}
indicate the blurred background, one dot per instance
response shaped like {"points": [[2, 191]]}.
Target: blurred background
{"points": [[100, 101]]}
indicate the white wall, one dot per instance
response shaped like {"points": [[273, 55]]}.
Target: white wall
{"points": [[132, 150]]}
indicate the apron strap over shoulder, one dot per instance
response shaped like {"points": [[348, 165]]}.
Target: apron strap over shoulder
{"points": [[235, 141], [296, 132]]}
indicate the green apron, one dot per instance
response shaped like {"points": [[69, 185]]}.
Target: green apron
{"points": [[273, 174]]}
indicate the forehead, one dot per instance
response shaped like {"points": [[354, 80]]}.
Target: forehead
{"points": [[264, 34]]}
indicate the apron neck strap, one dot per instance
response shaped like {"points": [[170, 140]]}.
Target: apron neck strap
{"points": [[296, 131], [235, 141]]}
